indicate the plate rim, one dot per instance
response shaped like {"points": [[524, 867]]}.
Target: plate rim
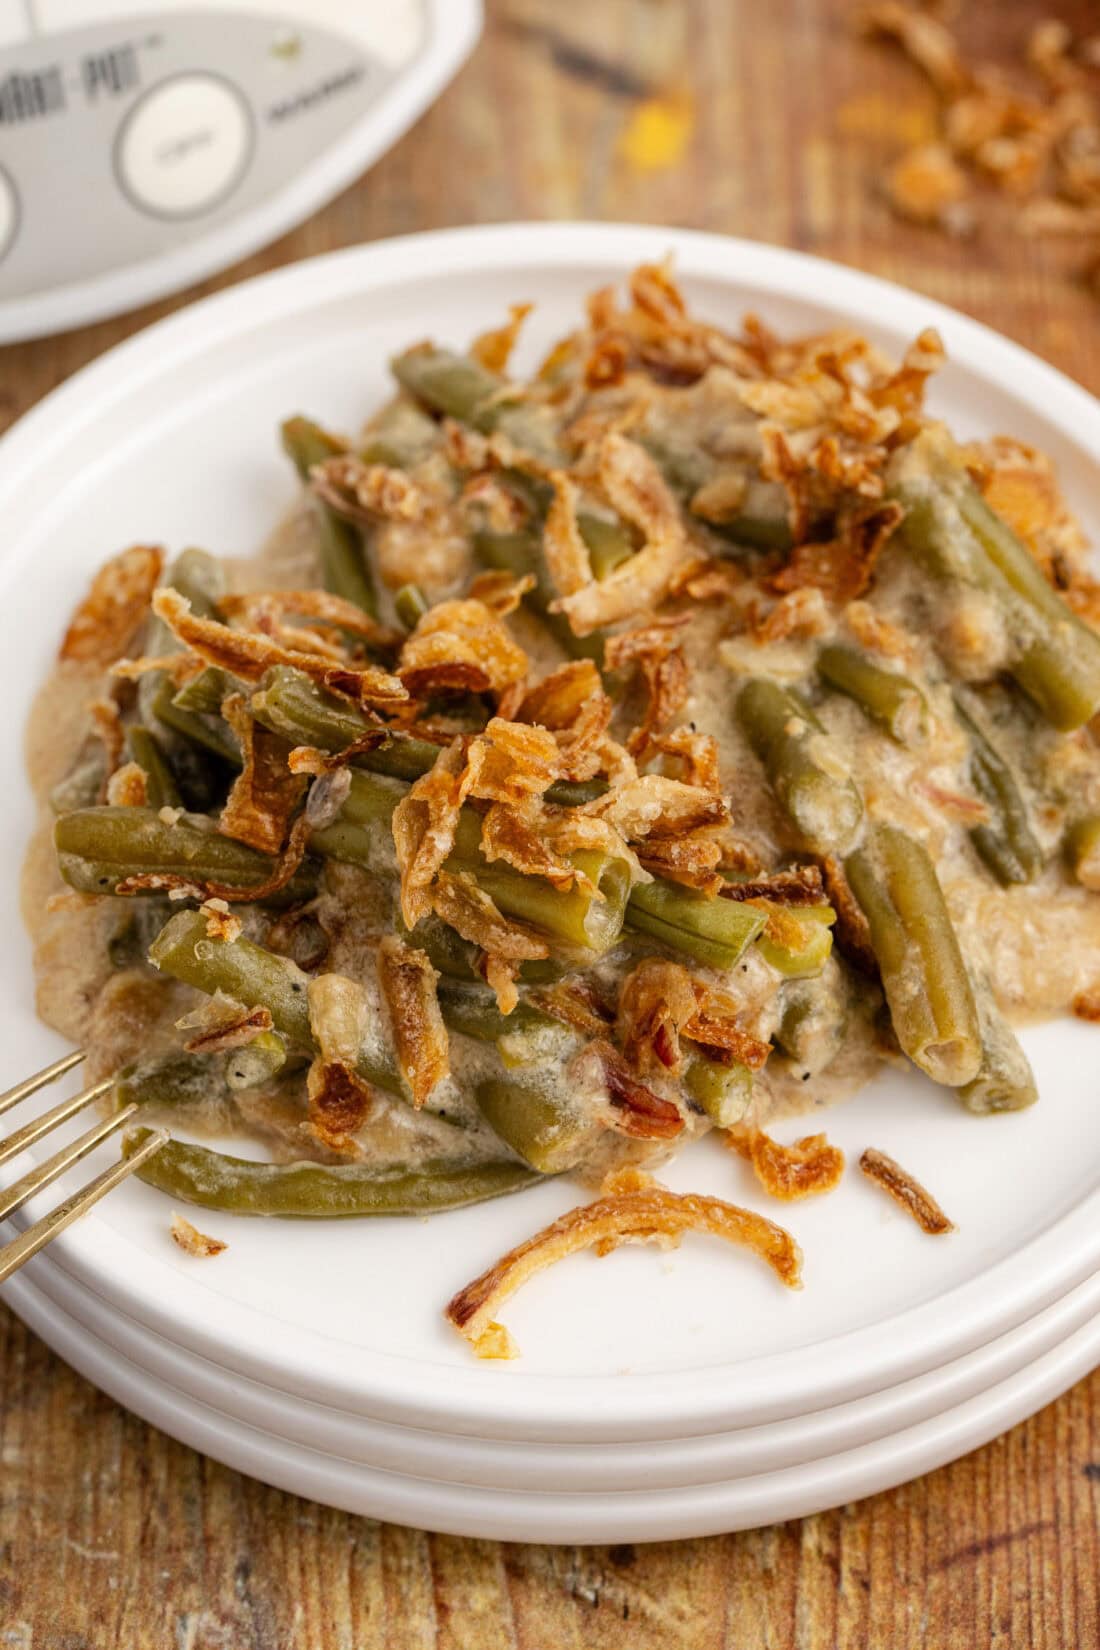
{"points": [[573, 1516], [1058, 1257]]}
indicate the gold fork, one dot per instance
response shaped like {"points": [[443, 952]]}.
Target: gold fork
{"points": [[29, 1242]]}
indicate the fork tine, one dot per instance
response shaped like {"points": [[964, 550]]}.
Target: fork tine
{"points": [[14, 1254], [30, 1132], [31, 1085], [46, 1173]]}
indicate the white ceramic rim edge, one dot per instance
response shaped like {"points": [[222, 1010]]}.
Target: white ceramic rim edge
{"points": [[612, 1468], [469, 1510]]}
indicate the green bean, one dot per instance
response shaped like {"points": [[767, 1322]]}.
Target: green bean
{"points": [[171, 1080], [400, 437], [519, 553], [586, 917], [713, 931], [804, 957], [1056, 657], [762, 519], [1005, 842], [813, 1021], [545, 1133], [291, 705], [1082, 850], [256, 1062], [454, 385], [97, 848], [888, 698], [161, 790], [924, 978], [722, 1091], [249, 974], [457, 959], [317, 1191], [473, 1011], [459, 387], [1005, 1080], [804, 768], [608, 543], [201, 578], [239, 969], [343, 554], [410, 604], [206, 691], [210, 732], [139, 922]]}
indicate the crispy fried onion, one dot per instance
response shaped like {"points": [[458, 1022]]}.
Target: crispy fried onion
{"points": [[649, 1213], [460, 646], [192, 1241], [494, 348], [114, 606], [670, 825], [567, 558], [801, 885], [638, 492], [572, 705], [424, 824], [906, 1191], [851, 929], [499, 590], [655, 335], [408, 983], [577, 1003], [512, 761], [340, 1102], [458, 900], [653, 649], [178, 886], [516, 836], [368, 493], [661, 1002], [842, 567], [689, 756], [221, 922], [265, 795], [321, 605], [247, 654], [635, 1109], [128, 786], [656, 1002], [806, 1169], [220, 1024]]}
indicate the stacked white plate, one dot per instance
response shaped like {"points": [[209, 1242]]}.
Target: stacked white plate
{"points": [[658, 1394]]}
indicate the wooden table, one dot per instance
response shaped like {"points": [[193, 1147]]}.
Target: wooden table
{"points": [[768, 122]]}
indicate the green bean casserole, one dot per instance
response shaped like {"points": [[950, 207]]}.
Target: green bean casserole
{"points": [[652, 746]]}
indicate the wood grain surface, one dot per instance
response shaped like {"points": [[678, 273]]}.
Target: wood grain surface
{"points": [[762, 118]]}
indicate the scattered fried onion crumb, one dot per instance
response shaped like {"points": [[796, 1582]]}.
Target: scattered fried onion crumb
{"points": [[806, 1169], [1086, 1004], [1022, 146], [648, 1213], [906, 1191], [191, 1240]]}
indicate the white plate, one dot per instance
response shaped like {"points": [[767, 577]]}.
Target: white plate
{"points": [[171, 437], [642, 1514], [507, 1464]]}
